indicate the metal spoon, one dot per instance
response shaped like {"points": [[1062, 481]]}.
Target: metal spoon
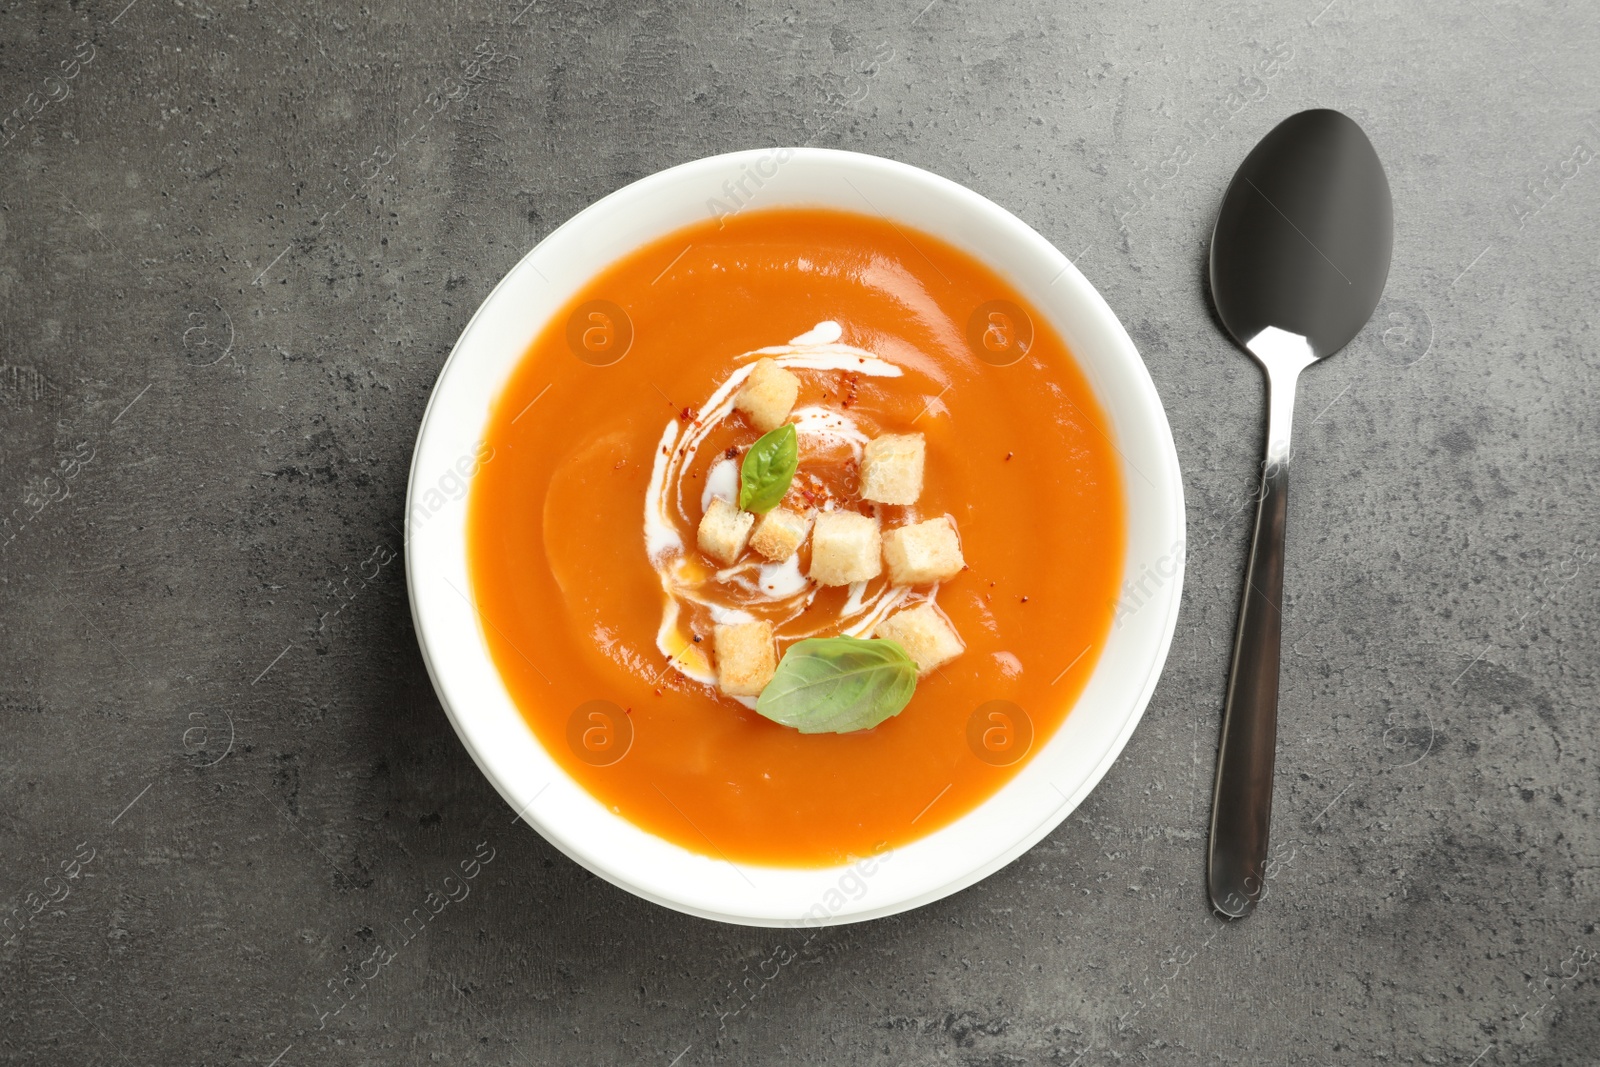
{"points": [[1298, 261]]}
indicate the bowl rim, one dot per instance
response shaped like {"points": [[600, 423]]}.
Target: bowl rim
{"points": [[1160, 449]]}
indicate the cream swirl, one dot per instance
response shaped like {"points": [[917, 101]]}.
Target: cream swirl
{"points": [[751, 587]]}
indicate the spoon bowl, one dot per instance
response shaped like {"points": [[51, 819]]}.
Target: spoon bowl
{"points": [[1304, 236]]}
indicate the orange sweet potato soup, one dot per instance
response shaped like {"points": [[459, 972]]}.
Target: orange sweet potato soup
{"points": [[799, 536]]}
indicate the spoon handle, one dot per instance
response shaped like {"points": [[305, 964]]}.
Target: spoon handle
{"points": [[1241, 808]]}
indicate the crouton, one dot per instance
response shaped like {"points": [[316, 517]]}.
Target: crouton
{"points": [[891, 468], [845, 547], [724, 531], [746, 657], [924, 552], [767, 395], [925, 634], [780, 533]]}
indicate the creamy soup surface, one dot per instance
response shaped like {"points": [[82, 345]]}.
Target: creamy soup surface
{"points": [[618, 432]]}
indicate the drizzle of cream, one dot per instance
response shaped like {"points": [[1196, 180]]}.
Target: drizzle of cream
{"points": [[827, 428], [823, 333], [830, 357], [783, 580], [891, 597], [755, 576], [685, 580], [725, 616], [722, 480], [660, 536]]}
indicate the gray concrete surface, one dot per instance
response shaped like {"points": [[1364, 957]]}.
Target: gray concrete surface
{"points": [[207, 406]]}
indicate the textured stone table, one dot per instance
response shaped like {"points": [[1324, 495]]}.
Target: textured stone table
{"points": [[225, 780]]}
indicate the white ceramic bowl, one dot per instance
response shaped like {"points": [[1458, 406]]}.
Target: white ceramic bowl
{"points": [[1062, 771]]}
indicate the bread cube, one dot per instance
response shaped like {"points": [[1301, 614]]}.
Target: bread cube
{"points": [[780, 533], [924, 552], [724, 531], [925, 634], [767, 395], [746, 657], [845, 547], [891, 468]]}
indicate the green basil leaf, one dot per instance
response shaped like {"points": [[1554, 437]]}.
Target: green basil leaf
{"points": [[839, 684], [768, 469]]}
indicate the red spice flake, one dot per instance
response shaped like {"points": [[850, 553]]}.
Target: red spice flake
{"points": [[852, 382], [1009, 455], [732, 452], [697, 639], [688, 413], [627, 711], [1024, 600], [658, 692]]}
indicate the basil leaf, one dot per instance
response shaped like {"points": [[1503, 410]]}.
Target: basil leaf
{"points": [[768, 469], [839, 684]]}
